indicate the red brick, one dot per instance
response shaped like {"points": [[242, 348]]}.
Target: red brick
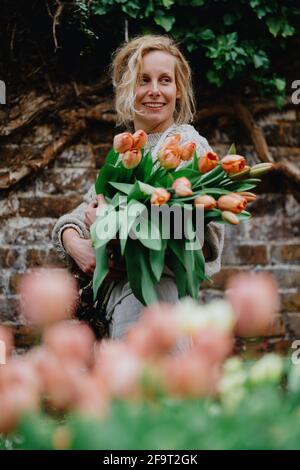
{"points": [[40, 257], [287, 252], [48, 206]]}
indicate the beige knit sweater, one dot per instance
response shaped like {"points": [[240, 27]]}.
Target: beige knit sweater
{"points": [[214, 232]]}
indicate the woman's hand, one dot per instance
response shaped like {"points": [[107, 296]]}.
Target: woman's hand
{"points": [[80, 249], [91, 210]]}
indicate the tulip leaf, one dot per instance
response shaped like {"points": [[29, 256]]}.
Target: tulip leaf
{"points": [[157, 260], [244, 215], [212, 173], [112, 157], [107, 174], [127, 219], [101, 269], [195, 163], [123, 187], [144, 169], [239, 186], [148, 233], [180, 274], [232, 150]]}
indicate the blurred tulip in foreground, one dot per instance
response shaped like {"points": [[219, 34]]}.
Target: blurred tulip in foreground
{"points": [[47, 295], [254, 299]]}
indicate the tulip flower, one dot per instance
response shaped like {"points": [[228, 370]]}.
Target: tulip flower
{"points": [[160, 196], [6, 344], [250, 197], [182, 187], [255, 301], [70, 342], [169, 157], [208, 162], [172, 141], [15, 402], [47, 296], [233, 163], [131, 158], [240, 175], [207, 201], [187, 151], [123, 142], [139, 139], [260, 169], [230, 217], [232, 202]]}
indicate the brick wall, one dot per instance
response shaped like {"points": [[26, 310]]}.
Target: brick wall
{"points": [[268, 242]]}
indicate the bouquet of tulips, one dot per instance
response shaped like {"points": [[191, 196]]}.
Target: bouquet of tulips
{"points": [[134, 186]]}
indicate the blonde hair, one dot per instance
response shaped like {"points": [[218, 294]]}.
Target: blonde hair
{"points": [[126, 65]]}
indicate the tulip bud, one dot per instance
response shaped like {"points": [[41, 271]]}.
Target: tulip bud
{"points": [[139, 139], [182, 187], [169, 158], [160, 196], [261, 168], [131, 158], [172, 141], [207, 201], [208, 162], [250, 197], [187, 151], [240, 175], [123, 142], [230, 217], [232, 202], [233, 163]]}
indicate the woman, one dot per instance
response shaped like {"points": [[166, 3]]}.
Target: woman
{"points": [[153, 92]]}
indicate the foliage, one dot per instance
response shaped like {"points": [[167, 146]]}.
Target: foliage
{"points": [[266, 417]]}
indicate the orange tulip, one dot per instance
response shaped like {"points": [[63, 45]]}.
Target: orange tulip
{"points": [[230, 217], [182, 187], [246, 195], [187, 151], [139, 139], [172, 141], [131, 158], [207, 201], [160, 196], [123, 142], [232, 202], [233, 163], [208, 162], [169, 157]]}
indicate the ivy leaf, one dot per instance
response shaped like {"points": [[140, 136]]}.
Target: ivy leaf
{"points": [[166, 22]]}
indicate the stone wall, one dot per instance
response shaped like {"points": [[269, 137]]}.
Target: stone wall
{"points": [[270, 241]]}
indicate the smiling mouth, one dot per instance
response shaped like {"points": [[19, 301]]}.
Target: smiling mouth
{"points": [[154, 105]]}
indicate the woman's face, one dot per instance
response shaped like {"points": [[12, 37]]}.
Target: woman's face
{"points": [[156, 92]]}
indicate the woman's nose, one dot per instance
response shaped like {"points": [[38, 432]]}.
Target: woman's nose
{"points": [[154, 89]]}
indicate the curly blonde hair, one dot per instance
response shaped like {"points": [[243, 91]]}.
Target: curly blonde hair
{"points": [[125, 68]]}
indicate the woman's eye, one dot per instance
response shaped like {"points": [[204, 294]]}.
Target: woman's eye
{"points": [[166, 79]]}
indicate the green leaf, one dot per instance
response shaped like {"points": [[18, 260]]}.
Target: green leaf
{"points": [[107, 173], [124, 187], [112, 157], [127, 220], [101, 269], [157, 260], [232, 150], [144, 230], [144, 169], [166, 22]]}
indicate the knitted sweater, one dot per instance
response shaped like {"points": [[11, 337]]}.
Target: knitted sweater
{"points": [[214, 232]]}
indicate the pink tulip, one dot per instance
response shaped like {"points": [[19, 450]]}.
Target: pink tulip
{"points": [[214, 344], [190, 375], [155, 332], [93, 398], [131, 158], [207, 201], [16, 401], [71, 343], [182, 187], [123, 142], [187, 151], [172, 141], [254, 298], [160, 196], [19, 372], [208, 162], [47, 295], [119, 369], [6, 344], [233, 163], [139, 139], [169, 157]]}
